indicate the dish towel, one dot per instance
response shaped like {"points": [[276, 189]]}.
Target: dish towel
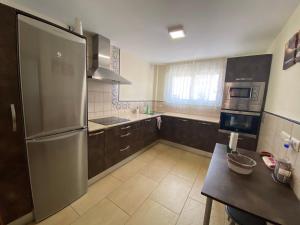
{"points": [[158, 122]]}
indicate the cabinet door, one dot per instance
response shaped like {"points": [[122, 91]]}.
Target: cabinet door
{"points": [[248, 68], [96, 153], [183, 131], [15, 192], [167, 128], [150, 131], [204, 135]]}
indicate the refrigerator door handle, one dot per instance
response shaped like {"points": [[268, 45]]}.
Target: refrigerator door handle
{"points": [[14, 117], [54, 137]]}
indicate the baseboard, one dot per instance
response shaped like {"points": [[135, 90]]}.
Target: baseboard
{"points": [[186, 148], [119, 164]]}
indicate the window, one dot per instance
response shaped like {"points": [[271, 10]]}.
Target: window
{"points": [[195, 83]]}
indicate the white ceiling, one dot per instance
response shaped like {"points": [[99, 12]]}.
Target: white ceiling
{"points": [[214, 28]]}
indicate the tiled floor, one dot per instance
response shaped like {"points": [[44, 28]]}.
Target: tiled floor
{"points": [[160, 187]]}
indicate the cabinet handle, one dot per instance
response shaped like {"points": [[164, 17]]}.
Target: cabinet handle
{"points": [[240, 138], [183, 120], [124, 149], [94, 134], [13, 116], [125, 128], [149, 120], [203, 123], [241, 78], [125, 135]]}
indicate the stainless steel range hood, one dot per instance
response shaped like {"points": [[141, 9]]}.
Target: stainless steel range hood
{"points": [[101, 62]]}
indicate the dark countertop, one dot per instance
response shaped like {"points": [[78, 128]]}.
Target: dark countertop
{"points": [[257, 193]]}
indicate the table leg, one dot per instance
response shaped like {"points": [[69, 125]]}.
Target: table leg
{"points": [[207, 211]]}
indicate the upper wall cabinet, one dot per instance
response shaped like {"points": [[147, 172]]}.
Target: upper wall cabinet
{"points": [[249, 68]]}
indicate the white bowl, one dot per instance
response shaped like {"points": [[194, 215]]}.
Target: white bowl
{"points": [[240, 164]]}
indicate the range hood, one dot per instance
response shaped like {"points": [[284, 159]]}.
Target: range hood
{"points": [[101, 62]]}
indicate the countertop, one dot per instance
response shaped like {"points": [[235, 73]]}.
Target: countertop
{"points": [[133, 117]]}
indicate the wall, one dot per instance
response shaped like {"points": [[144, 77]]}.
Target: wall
{"points": [[15, 5], [283, 102], [141, 74], [283, 93]]}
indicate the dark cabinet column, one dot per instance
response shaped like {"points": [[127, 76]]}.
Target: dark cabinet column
{"points": [[15, 193], [248, 68], [96, 151]]}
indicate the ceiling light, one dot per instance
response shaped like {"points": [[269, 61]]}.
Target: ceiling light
{"points": [[176, 32]]}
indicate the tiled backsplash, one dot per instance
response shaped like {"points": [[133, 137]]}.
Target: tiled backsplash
{"points": [[270, 140], [103, 101]]}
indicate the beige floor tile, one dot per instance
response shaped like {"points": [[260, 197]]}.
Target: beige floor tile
{"points": [[96, 193], [186, 170], [197, 187], [63, 217], [172, 193], [132, 193], [192, 213], [104, 213], [148, 155], [129, 169], [152, 213], [155, 171]]}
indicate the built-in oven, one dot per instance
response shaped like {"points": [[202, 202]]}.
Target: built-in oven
{"points": [[241, 122], [243, 96]]}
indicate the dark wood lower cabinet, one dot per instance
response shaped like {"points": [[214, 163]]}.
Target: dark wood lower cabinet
{"points": [[197, 134], [96, 153], [122, 141], [15, 192], [149, 131]]}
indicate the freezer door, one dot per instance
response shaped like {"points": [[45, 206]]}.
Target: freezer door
{"points": [[58, 171], [53, 78]]}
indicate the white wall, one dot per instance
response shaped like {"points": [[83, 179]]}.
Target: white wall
{"points": [[283, 96], [140, 73], [16, 5]]}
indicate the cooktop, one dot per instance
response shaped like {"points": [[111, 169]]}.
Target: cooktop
{"points": [[109, 120]]}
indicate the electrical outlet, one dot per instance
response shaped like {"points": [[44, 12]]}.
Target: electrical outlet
{"points": [[295, 144]]}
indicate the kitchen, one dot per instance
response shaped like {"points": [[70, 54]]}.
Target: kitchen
{"points": [[126, 113]]}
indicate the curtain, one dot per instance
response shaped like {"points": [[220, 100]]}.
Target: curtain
{"points": [[198, 83]]}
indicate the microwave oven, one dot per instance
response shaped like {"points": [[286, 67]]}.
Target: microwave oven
{"points": [[243, 96]]}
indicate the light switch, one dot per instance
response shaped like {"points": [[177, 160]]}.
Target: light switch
{"points": [[295, 144]]}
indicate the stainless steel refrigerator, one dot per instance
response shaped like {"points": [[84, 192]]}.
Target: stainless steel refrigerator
{"points": [[53, 83]]}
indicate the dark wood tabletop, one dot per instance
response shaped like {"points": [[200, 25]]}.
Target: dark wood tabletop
{"points": [[256, 193]]}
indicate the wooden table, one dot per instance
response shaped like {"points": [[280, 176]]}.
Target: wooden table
{"points": [[256, 194]]}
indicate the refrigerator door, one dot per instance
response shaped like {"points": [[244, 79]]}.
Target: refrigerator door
{"points": [[53, 78], [58, 171]]}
